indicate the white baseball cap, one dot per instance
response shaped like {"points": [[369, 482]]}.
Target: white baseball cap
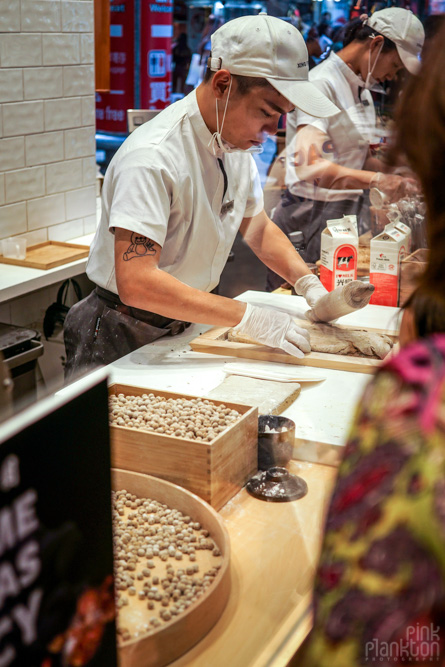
{"points": [[405, 30], [269, 48]]}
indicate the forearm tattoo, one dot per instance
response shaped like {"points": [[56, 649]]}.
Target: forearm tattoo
{"points": [[140, 246]]}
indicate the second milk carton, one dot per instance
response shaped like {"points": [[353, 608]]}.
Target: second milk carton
{"points": [[394, 216], [407, 231], [339, 249], [387, 251]]}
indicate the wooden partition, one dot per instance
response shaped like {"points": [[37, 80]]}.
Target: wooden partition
{"points": [[102, 45]]}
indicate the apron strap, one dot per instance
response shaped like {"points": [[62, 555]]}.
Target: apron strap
{"points": [[113, 301]]}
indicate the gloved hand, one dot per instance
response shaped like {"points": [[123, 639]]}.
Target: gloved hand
{"points": [[274, 328], [311, 288], [393, 186], [328, 306]]}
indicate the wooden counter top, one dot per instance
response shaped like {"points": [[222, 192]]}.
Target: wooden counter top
{"points": [[275, 548]]}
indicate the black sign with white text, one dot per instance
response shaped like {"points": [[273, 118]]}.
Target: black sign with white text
{"points": [[56, 559]]}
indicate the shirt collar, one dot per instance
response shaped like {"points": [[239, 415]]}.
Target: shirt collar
{"points": [[355, 81], [352, 78]]}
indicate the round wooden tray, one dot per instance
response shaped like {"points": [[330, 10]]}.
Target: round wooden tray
{"points": [[177, 636]]}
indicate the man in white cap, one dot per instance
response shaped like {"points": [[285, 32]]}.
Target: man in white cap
{"points": [[330, 165], [177, 192]]}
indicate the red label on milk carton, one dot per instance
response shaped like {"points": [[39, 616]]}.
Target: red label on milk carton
{"points": [[339, 248], [387, 251]]}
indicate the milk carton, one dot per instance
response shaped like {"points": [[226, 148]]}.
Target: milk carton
{"points": [[387, 251], [407, 231], [339, 249], [394, 216]]}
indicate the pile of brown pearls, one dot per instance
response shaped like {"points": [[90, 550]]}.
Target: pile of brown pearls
{"points": [[196, 418], [146, 532]]}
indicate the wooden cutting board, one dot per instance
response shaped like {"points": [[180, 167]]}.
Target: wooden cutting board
{"points": [[215, 342], [270, 397], [49, 254]]}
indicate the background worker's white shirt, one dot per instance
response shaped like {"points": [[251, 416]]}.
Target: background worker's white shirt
{"points": [[165, 183], [347, 145]]}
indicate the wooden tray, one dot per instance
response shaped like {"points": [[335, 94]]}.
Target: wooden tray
{"points": [[215, 342], [214, 470], [49, 254], [177, 636]]}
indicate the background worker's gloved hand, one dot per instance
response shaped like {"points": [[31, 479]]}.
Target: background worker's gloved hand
{"points": [[274, 328], [328, 306], [393, 186]]}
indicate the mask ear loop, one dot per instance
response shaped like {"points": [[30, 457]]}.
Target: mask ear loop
{"points": [[371, 69], [225, 109], [216, 136]]}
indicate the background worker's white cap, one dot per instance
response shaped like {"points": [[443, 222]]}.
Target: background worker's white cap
{"points": [[269, 48], [405, 30]]}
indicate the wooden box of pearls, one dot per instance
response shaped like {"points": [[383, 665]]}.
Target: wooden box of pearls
{"points": [[206, 446], [172, 569]]}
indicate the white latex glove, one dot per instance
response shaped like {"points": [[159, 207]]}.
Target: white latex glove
{"points": [[274, 328], [311, 288], [393, 186], [329, 306]]}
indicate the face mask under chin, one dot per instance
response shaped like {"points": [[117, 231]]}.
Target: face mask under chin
{"points": [[226, 147], [219, 143]]}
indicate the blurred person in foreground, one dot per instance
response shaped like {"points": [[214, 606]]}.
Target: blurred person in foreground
{"points": [[379, 596]]}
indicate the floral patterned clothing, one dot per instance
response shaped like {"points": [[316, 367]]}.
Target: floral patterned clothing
{"points": [[379, 596]]}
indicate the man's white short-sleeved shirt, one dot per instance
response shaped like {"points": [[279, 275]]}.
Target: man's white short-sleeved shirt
{"points": [[347, 146], [165, 183]]}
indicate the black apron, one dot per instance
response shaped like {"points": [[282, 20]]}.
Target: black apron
{"points": [[309, 216], [100, 329]]}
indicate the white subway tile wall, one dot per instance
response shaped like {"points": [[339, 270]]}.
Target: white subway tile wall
{"points": [[43, 83], [79, 143], [9, 16], [33, 238], [24, 184], [36, 16], [62, 176], [88, 110], [13, 219], [22, 118], [47, 130], [61, 49], [11, 85], [80, 202], [44, 148], [59, 232], [12, 153], [63, 113], [89, 170], [51, 208]]}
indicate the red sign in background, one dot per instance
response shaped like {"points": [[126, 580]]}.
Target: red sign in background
{"points": [[111, 108], [156, 53], [153, 37]]}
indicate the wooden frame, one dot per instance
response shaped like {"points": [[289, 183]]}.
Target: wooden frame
{"points": [[214, 470], [215, 342], [177, 636], [102, 45]]}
